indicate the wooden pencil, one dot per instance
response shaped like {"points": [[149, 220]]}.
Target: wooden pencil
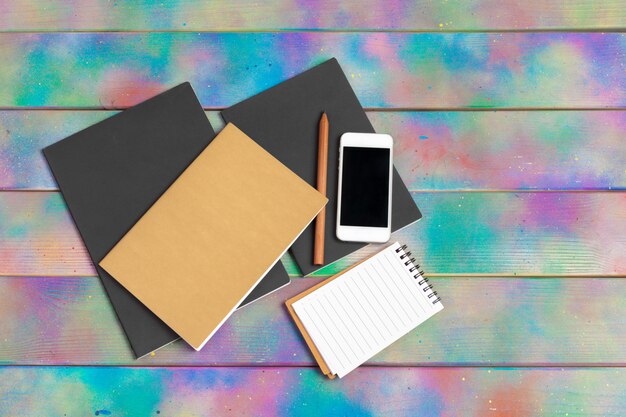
{"points": [[322, 173]]}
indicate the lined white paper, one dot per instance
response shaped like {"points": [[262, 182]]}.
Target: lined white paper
{"points": [[363, 311]]}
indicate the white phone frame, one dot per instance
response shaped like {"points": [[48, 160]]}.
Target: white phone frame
{"points": [[364, 233]]}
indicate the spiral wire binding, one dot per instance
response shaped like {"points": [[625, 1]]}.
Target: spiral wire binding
{"points": [[423, 283]]}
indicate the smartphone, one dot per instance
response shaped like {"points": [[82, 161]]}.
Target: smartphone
{"points": [[364, 195]]}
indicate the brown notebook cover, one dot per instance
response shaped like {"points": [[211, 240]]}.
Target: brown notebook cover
{"points": [[210, 238]]}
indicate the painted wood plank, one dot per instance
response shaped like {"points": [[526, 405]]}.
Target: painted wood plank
{"points": [[241, 15], [433, 150], [487, 321], [305, 392], [484, 233], [423, 70]]}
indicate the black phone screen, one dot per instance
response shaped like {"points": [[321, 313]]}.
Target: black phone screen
{"points": [[365, 187]]}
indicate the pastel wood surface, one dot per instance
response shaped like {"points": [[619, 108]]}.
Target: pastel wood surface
{"points": [[460, 150], [486, 322], [390, 70], [550, 317], [242, 15], [484, 233], [224, 391]]}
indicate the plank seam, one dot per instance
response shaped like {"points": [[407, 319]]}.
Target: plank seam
{"points": [[433, 274], [572, 366], [563, 29], [367, 109]]}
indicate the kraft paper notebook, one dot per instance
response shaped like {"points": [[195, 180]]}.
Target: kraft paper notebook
{"points": [[112, 172], [284, 120], [352, 316], [201, 248]]}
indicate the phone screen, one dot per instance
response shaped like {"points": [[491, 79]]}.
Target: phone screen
{"points": [[365, 187]]}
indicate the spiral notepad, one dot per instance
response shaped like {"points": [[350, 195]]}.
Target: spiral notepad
{"points": [[352, 316]]}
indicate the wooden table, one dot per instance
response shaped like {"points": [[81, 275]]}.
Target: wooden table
{"points": [[510, 131]]}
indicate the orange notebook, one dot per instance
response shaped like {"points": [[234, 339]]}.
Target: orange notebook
{"points": [[354, 315], [211, 237]]}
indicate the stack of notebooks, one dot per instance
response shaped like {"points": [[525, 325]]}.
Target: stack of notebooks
{"points": [[168, 210]]}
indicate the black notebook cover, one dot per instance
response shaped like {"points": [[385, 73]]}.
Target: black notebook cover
{"points": [[284, 120], [112, 172]]}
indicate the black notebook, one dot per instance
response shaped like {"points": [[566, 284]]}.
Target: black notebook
{"points": [[112, 172], [284, 120]]}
